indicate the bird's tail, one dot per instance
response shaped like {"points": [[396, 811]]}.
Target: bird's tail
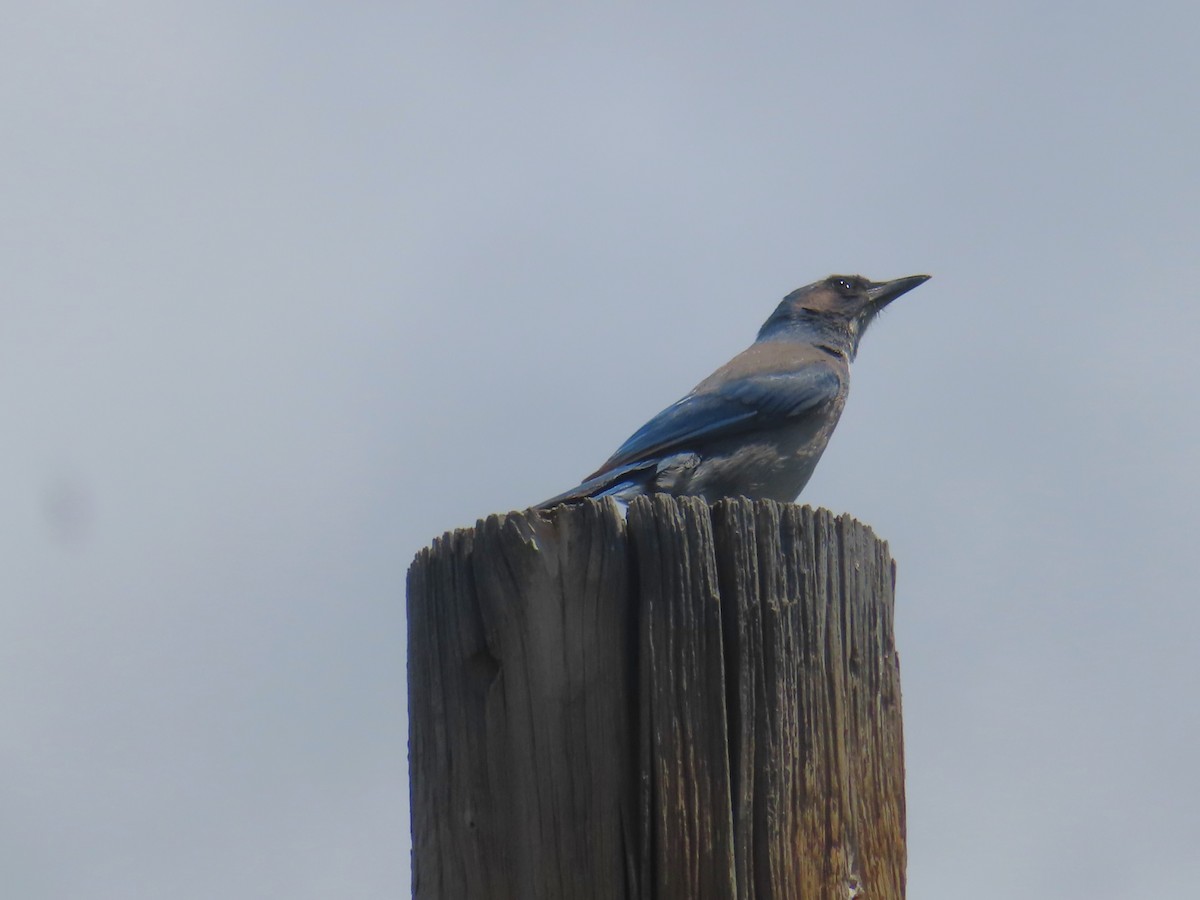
{"points": [[667, 474], [622, 483]]}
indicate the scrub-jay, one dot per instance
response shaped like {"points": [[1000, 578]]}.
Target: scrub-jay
{"points": [[757, 426]]}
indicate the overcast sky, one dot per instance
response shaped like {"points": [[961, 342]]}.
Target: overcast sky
{"points": [[289, 289]]}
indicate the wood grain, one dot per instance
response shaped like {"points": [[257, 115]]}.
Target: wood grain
{"points": [[687, 702]]}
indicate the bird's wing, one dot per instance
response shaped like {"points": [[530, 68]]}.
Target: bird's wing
{"points": [[752, 403]]}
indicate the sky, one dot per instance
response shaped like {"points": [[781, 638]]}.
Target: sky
{"points": [[290, 289]]}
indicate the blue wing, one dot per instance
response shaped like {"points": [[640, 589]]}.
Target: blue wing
{"points": [[755, 403]]}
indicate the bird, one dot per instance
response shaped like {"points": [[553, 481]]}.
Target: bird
{"points": [[758, 425]]}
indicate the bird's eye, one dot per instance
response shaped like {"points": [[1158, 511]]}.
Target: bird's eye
{"points": [[844, 286]]}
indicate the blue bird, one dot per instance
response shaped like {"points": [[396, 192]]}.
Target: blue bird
{"points": [[758, 425]]}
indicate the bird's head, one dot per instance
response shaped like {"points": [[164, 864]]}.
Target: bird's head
{"points": [[839, 306]]}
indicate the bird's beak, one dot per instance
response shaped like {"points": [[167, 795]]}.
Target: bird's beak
{"points": [[884, 292]]}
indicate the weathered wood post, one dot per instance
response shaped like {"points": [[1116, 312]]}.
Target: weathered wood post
{"points": [[690, 702]]}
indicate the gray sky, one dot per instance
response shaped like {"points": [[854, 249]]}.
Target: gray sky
{"points": [[290, 289]]}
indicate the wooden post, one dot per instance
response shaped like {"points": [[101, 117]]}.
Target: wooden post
{"points": [[690, 702]]}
